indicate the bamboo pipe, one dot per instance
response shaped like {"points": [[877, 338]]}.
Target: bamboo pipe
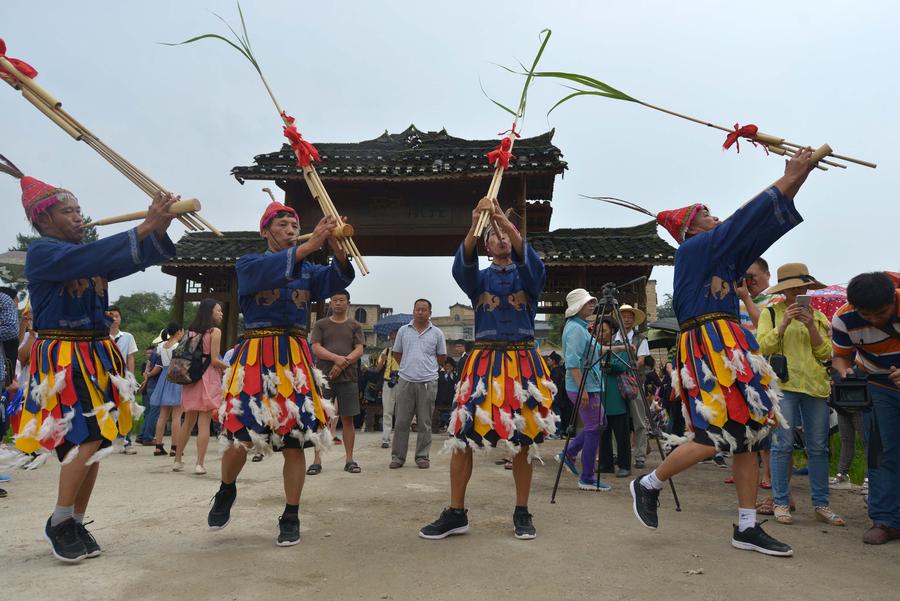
{"points": [[765, 138], [820, 153], [780, 151], [339, 232], [493, 190], [50, 113], [837, 156], [52, 109], [29, 83], [317, 188], [178, 208]]}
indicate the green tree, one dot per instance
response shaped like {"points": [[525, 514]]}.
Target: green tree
{"points": [[665, 309], [144, 314], [556, 321]]}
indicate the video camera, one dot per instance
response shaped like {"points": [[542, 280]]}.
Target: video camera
{"points": [[850, 393]]}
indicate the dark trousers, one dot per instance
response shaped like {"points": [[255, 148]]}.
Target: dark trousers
{"points": [[618, 426]]}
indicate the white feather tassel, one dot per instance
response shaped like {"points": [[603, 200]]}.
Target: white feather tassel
{"points": [[40, 460], [71, 455], [686, 379], [483, 416]]}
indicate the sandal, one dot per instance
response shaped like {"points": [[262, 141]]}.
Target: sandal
{"points": [[172, 451], [352, 467], [257, 458], [783, 514], [508, 464], [160, 451], [766, 506], [825, 514], [766, 485], [313, 469]]}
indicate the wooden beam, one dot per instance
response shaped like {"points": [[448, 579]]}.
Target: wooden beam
{"points": [[523, 207], [234, 310], [178, 304]]}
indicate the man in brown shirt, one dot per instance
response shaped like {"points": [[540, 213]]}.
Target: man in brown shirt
{"points": [[337, 342]]}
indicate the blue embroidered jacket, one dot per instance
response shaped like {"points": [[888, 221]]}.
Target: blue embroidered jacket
{"points": [[505, 298], [708, 265], [275, 291], [67, 282]]}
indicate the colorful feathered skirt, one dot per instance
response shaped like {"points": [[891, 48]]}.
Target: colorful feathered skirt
{"points": [[503, 394], [728, 391], [273, 394], [78, 391]]}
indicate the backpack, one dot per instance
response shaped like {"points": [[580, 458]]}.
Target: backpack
{"points": [[189, 362]]}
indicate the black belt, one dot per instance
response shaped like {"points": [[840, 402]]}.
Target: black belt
{"points": [[265, 332], [74, 335], [503, 345], [696, 322]]}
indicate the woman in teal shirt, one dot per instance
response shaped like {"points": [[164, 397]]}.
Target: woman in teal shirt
{"points": [[613, 363]]}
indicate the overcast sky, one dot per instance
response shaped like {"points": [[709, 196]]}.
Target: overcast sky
{"points": [[811, 71]]}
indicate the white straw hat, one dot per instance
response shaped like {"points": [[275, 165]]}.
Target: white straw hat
{"points": [[576, 299]]}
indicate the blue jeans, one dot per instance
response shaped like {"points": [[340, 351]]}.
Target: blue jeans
{"points": [[884, 482], [151, 415], [814, 414]]}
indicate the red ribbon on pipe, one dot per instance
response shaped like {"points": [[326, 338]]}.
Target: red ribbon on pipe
{"points": [[306, 152], [501, 155], [23, 67], [746, 131]]}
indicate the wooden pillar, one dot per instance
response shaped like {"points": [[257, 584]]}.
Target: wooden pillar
{"points": [[523, 207], [178, 303], [234, 310]]}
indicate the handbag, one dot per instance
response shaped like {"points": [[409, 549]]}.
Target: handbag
{"points": [[778, 361], [628, 386]]}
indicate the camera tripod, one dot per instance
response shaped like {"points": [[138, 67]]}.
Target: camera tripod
{"points": [[608, 307]]}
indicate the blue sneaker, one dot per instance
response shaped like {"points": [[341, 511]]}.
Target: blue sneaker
{"points": [[568, 462], [4, 478], [595, 485]]}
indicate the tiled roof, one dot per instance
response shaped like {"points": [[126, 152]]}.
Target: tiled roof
{"points": [[409, 155], [205, 249], [638, 245]]}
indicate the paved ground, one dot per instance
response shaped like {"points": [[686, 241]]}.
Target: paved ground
{"points": [[359, 539]]}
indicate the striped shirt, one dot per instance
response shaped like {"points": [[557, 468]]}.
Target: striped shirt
{"points": [[875, 350]]}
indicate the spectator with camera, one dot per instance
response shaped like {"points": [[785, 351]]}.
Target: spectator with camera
{"points": [[866, 335], [795, 338], [391, 370]]}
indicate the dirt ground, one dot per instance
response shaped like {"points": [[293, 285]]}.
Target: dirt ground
{"points": [[359, 538]]}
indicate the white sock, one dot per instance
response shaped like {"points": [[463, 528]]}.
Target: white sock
{"points": [[651, 482], [746, 518], [61, 513], [79, 517]]}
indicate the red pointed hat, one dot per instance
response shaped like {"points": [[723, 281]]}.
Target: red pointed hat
{"points": [[677, 221], [273, 209], [37, 196]]}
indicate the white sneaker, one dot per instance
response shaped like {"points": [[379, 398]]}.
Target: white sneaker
{"points": [[199, 470], [129, 450], [178, 466]]}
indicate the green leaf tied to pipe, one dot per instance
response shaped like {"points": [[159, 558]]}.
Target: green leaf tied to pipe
{"points": [[519, 113]]}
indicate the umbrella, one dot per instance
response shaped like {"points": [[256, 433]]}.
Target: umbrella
{"points": [[668, 324], [391, 323], [828, 300]]}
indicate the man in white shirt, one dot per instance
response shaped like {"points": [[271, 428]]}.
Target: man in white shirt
{"points": [[631, 318], [128, 348]]}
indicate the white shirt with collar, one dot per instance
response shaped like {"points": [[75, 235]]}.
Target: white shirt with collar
{"points": [[642, 351]]}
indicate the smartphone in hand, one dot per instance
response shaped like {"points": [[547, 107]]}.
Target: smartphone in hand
{"points": [[804, 300]]}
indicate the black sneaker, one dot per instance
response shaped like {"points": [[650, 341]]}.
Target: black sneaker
{"points": [[90, 543], [64, 541], [755, 539], [288, 531], [644, 503], [220, 514], [523, 525], [719, 460], [452, 521]]}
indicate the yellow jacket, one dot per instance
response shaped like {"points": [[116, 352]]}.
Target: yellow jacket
{"points": [[806, 374]]}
